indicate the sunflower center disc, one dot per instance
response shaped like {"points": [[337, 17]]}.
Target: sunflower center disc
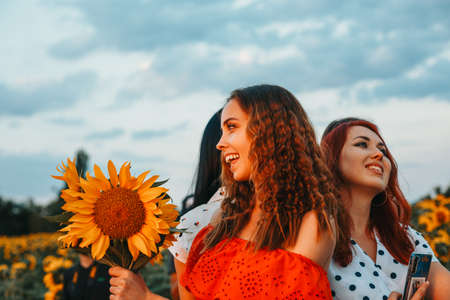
{"points": [[119, 213], [441, 217]]}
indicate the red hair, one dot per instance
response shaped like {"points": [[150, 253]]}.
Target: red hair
{"points": [[390, 212]]}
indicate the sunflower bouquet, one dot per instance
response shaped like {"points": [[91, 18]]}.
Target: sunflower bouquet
{"points": [[124, 220]]}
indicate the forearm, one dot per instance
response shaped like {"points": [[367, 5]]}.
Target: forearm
{"points": [[180, 268], [439, 282]]}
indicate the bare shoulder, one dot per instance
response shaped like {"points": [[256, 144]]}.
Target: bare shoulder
{"points": [[314, 242]]}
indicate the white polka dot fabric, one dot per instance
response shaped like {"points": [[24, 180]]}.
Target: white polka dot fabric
{"points": [[367, 280], [193, 221]]}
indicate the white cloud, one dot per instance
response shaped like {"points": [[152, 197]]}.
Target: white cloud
{"points": [[342, 28], [256, 55], [380, 55], [238, 4], [284, 29], [182, 81], [421, 70]]}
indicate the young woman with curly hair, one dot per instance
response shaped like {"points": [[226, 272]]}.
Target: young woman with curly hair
{"points": [[274, 235], [371, 259]]}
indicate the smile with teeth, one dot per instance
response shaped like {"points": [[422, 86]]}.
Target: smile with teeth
{"points": [[375, 168], [230, 157]]}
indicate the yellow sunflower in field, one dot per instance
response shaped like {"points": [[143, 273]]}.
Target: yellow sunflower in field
{"points": [[53, 287], [442, 240], [122, 207], [428, 204], [17, 268], [31, 261], [434, 218]]}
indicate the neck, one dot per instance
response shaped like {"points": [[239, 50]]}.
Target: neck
{"points": [[358, 202], [249, 230]]}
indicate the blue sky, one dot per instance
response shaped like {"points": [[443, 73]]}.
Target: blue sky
{"points": [[138, 80]]}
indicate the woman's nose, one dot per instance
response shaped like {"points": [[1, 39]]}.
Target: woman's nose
{"points": [[378, 155], [220, 145]]}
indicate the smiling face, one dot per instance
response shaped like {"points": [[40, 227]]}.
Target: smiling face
{"points": [[363, 162], [235, 143]]}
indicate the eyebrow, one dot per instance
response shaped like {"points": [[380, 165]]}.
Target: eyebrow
{"points": [[367, 139], [228, 120]]}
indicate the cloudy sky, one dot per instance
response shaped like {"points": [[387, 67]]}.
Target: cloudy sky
{"points": [[138, 80]]}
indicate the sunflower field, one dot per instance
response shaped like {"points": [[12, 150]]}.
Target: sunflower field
{"points": [[32, 267], [431, 216]]}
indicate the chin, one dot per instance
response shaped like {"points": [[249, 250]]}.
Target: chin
{"points": [[240, 177], [375, 183], [378, 188]]}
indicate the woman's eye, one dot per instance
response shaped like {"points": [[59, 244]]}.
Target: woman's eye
{"points": [[361, 144], [384, 151], [231, 126]]}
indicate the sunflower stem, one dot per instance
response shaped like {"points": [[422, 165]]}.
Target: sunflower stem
{"points": [[122, 256], [130, 267]]}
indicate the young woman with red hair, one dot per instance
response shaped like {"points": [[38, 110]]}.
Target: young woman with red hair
{"points": [[371, 260]]}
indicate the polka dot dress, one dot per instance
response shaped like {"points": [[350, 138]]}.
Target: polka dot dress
{"points": [[193, 221], [365, 279]]}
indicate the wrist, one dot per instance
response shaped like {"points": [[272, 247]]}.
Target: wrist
{"points": [[152, 296]]}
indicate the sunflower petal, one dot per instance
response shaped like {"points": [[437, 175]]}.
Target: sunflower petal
{"points": [[90, 236], [72, 193], [113, 174], [140, 242], [139, 181], [82, 218], [80, 210], [90, 186], [124, 174], [148, 183], [150, 205], [99, 247], [151, 194], [150, 233], [133, 250], [102, 179]]}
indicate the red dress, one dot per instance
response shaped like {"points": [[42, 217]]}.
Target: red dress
{"points": [[236, 272]]}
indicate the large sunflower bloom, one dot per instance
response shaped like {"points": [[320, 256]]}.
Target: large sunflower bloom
{"points": [[123, 208]]}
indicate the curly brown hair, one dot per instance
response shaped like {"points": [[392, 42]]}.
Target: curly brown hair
{"points": [[288, 175]]}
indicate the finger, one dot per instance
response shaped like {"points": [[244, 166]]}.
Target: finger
{"points": [[114, 290], [116, 281], [420, 293], [394, 296], [116, 271], [113, 297]]}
